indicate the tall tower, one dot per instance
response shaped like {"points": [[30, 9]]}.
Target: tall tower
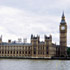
{"points": [[63, 36], [35, 43]]}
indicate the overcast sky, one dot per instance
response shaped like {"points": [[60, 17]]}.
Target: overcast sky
{"points": [[21, 18]]}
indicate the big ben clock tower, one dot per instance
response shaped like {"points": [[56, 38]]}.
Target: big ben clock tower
{"points": [[63, 36]]}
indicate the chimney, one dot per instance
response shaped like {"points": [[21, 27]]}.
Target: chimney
{"points": [[9, 41]]}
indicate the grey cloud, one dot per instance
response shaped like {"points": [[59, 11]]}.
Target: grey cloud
{"points": [[25, 17]]}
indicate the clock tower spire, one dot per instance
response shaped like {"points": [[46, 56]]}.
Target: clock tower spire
{"points": [[63, 18], [63, 36]]}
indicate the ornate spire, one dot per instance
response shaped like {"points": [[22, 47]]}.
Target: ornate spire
{"points": [[63, 14], [63, 18]]}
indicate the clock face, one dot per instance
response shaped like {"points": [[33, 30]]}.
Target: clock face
{"points": [[63, 28]]}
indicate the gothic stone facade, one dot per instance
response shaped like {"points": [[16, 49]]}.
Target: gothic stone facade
{"points": [[37, 49], [34, 49]]}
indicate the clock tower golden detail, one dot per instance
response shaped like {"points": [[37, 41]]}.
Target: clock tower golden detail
{"points": [[63, 36]]}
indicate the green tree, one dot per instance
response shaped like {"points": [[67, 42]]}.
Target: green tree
{"points": [[68, 52]]}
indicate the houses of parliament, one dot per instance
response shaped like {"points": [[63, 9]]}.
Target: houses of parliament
{"points": [[36, 48]]}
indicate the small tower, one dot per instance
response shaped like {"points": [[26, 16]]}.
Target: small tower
{"points": [[48, 39], [48, 46], [35, 39], [35, 42], [63, 36], [1, 39]]}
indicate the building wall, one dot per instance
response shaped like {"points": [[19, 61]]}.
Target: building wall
{"points": [[37, 49], [15, 50]]}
